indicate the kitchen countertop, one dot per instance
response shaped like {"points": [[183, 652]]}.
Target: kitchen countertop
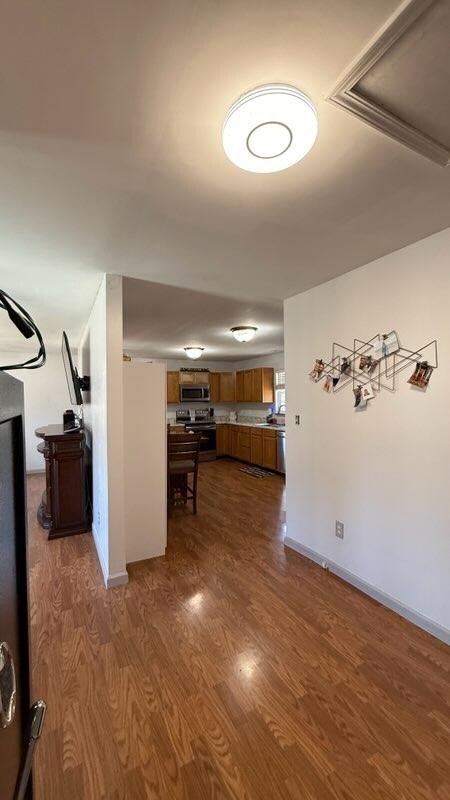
{"points": [[266, 426]]}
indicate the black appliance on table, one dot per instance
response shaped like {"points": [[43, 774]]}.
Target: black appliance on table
{"points": [[199, 420]]}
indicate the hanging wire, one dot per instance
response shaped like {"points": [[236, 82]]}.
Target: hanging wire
{"points": [[25, 324]]}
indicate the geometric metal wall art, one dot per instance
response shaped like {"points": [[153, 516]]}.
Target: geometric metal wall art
{"points": [[373, 365]]}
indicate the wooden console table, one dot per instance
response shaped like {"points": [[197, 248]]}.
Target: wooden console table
{"points": [[64, 508]]}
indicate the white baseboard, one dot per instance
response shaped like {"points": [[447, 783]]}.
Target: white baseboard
{"points": [[437, 630], [119, 578]]}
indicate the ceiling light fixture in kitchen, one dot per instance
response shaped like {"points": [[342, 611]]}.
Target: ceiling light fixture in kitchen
{"points": [[194, 352], [244, 333], [269, 128]]}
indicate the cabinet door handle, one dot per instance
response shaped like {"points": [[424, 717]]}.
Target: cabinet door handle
{"points": [[7, 686]]}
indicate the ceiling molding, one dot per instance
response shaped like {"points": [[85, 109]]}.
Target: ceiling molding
{"points": [[344, 94]]}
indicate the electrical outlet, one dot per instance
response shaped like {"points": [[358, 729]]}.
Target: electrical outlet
{"points": [[339, 530], [297, 419], [98, 518]]}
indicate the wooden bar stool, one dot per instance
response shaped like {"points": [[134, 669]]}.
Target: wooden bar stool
{"points": [[182, 460]]}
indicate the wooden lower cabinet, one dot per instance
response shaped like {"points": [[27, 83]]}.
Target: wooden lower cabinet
{"points": [[255, 445], [269, 449], [243, 445], [234, 435], [223, 440]]}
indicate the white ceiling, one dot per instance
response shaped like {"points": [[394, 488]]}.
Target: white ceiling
{"points": [[160, 321], [111, 156]]}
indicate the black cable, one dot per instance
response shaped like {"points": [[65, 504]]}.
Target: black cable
{"points": [[27, 327]]}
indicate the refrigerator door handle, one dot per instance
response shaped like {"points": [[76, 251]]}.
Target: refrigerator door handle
{"points": [[7, 686], [38, 710]]}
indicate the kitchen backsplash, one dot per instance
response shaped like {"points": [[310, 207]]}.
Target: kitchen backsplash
{"points": [[222, 412]]}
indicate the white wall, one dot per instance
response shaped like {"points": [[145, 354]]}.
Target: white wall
{"points": [[46, 398], [384, 471], [100, 356], [276, 360], [145, 467]]}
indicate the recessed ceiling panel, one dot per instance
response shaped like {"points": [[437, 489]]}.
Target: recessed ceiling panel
{"points": [[400, 83]]}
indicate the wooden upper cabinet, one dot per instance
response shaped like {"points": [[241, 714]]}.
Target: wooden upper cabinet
{"points": [[186, 377], [214, 383], [222, 387], [227, 392], [255, 385], [240, 387], [248, 398], [245, 386], [267, 381], [194, 377], [173, 387]]}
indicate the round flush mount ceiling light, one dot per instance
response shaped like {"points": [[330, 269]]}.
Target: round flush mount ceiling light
{"points": [[243, 333], [269, 128], [194, 352]]}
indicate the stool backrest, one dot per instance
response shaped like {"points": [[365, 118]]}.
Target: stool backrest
{"points": [[183, 446]]}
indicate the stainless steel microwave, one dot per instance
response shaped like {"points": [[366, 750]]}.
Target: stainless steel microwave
{"points": [[195, 392]]}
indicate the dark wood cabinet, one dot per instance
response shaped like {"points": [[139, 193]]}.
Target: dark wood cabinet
{"points": [[64, 508]]}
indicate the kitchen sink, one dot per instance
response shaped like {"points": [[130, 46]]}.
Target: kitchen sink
{"points": [[270, 425]]}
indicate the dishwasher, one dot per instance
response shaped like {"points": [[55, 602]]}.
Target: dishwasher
{"points": [[281, 451]]}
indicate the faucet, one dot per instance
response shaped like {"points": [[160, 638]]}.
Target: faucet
{"points": [[282, 405]]}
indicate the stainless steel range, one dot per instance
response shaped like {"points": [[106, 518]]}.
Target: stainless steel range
{"points": [[200, 420]]}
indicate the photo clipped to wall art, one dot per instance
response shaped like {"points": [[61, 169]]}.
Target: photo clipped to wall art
{"points": [[318, 368], [421, 375], [363, 393], [360, 401], [386, 345], [328, 384]]}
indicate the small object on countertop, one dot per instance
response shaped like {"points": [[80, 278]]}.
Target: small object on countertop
{"points": [[69, 420]]}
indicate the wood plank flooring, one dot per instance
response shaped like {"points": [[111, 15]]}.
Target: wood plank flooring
{"points": [[232, 668]]}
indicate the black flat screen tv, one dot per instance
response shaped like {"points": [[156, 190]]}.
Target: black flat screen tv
{"points": [[74, 382]]}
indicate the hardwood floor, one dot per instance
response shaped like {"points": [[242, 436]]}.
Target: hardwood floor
{"points": [[232, 668]]}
